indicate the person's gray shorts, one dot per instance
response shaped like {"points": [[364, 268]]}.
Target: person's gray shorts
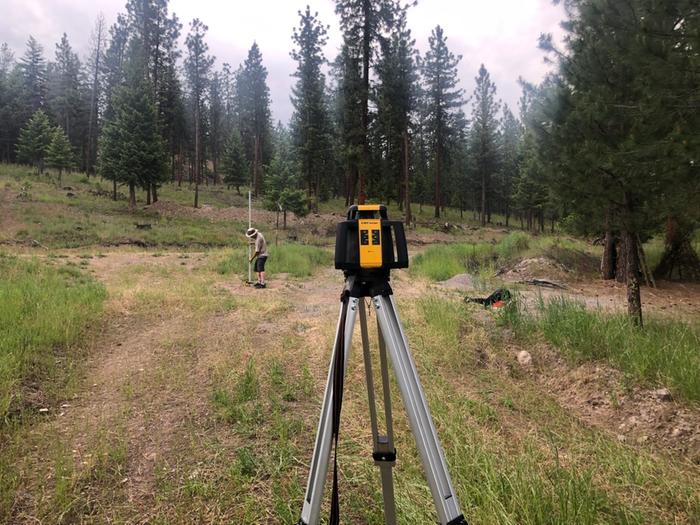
{"points": [[260, 264]]}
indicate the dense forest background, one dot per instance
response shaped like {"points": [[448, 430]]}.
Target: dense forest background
{"points": [[608, 145]]}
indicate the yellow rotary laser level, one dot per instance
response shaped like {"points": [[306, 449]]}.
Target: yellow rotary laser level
{"points": [[369, 243]]}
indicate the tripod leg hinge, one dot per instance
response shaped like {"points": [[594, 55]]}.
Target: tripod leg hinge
{"points": [[384, 456], [459, 520]]}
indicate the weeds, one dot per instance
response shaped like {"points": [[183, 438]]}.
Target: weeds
{"points": [[43, 312], [663, 352]]}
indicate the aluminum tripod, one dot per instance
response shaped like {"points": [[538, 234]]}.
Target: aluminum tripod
{"points": [[391, 338]]}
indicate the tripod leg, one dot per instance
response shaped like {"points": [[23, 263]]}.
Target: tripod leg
{"points": [[383, 451], [311, 510], [418, 412]]}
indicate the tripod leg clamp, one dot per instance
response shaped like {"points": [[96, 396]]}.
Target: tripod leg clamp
{"points": [[384, 456]]}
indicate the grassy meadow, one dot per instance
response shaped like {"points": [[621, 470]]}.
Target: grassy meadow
{"points": [[177, 395], [85, 215]]}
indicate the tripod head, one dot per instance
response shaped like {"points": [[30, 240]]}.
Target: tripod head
{"points": [[368, 246]]}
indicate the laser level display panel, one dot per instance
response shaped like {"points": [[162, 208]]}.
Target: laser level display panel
{"points": [[370, 231]]}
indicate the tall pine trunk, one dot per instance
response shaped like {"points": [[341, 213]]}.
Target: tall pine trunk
{"points": [[132, 196], [92, 119], [608, 263], [197, 164], [256, 161], [679, 260], [406, 173], [634, 299], [483, 199], [437, 181]]}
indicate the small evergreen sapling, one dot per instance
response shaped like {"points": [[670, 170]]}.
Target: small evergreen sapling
{"points": [[59, 154], [34, 140]]}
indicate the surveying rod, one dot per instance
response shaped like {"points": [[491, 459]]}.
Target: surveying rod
{"points": [[250, 246]]}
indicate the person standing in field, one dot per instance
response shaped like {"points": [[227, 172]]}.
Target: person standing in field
{"points": [[260, 255]]}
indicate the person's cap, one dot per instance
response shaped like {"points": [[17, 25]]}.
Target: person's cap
{"points": [[252, 232]]}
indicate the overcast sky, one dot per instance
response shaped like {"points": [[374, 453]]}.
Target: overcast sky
{"points": [[500, 33]]}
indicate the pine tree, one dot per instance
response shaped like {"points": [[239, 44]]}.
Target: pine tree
{"points": [[96, 64], [12, 103], [132, 151], [217, 116], [228, 86], [511, 137], [115, 58], [7, 61], [442, 102], [363, 23], [397, 101], [233, 162], [150, 24], [310, 121], [33, 68], [530, 185], [485, 139], [254, 114], [608, 132], [282, 193], [348, 117], [34, 140], [197, 67], [64, 93], [59, 154]]}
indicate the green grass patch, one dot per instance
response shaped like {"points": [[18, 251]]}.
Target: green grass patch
{"points": [[482, 259], [663, 352], [44, 312], [440, 262], [297, 260]]}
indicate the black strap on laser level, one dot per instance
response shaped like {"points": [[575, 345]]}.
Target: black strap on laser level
{"points": [[338, 375]]}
